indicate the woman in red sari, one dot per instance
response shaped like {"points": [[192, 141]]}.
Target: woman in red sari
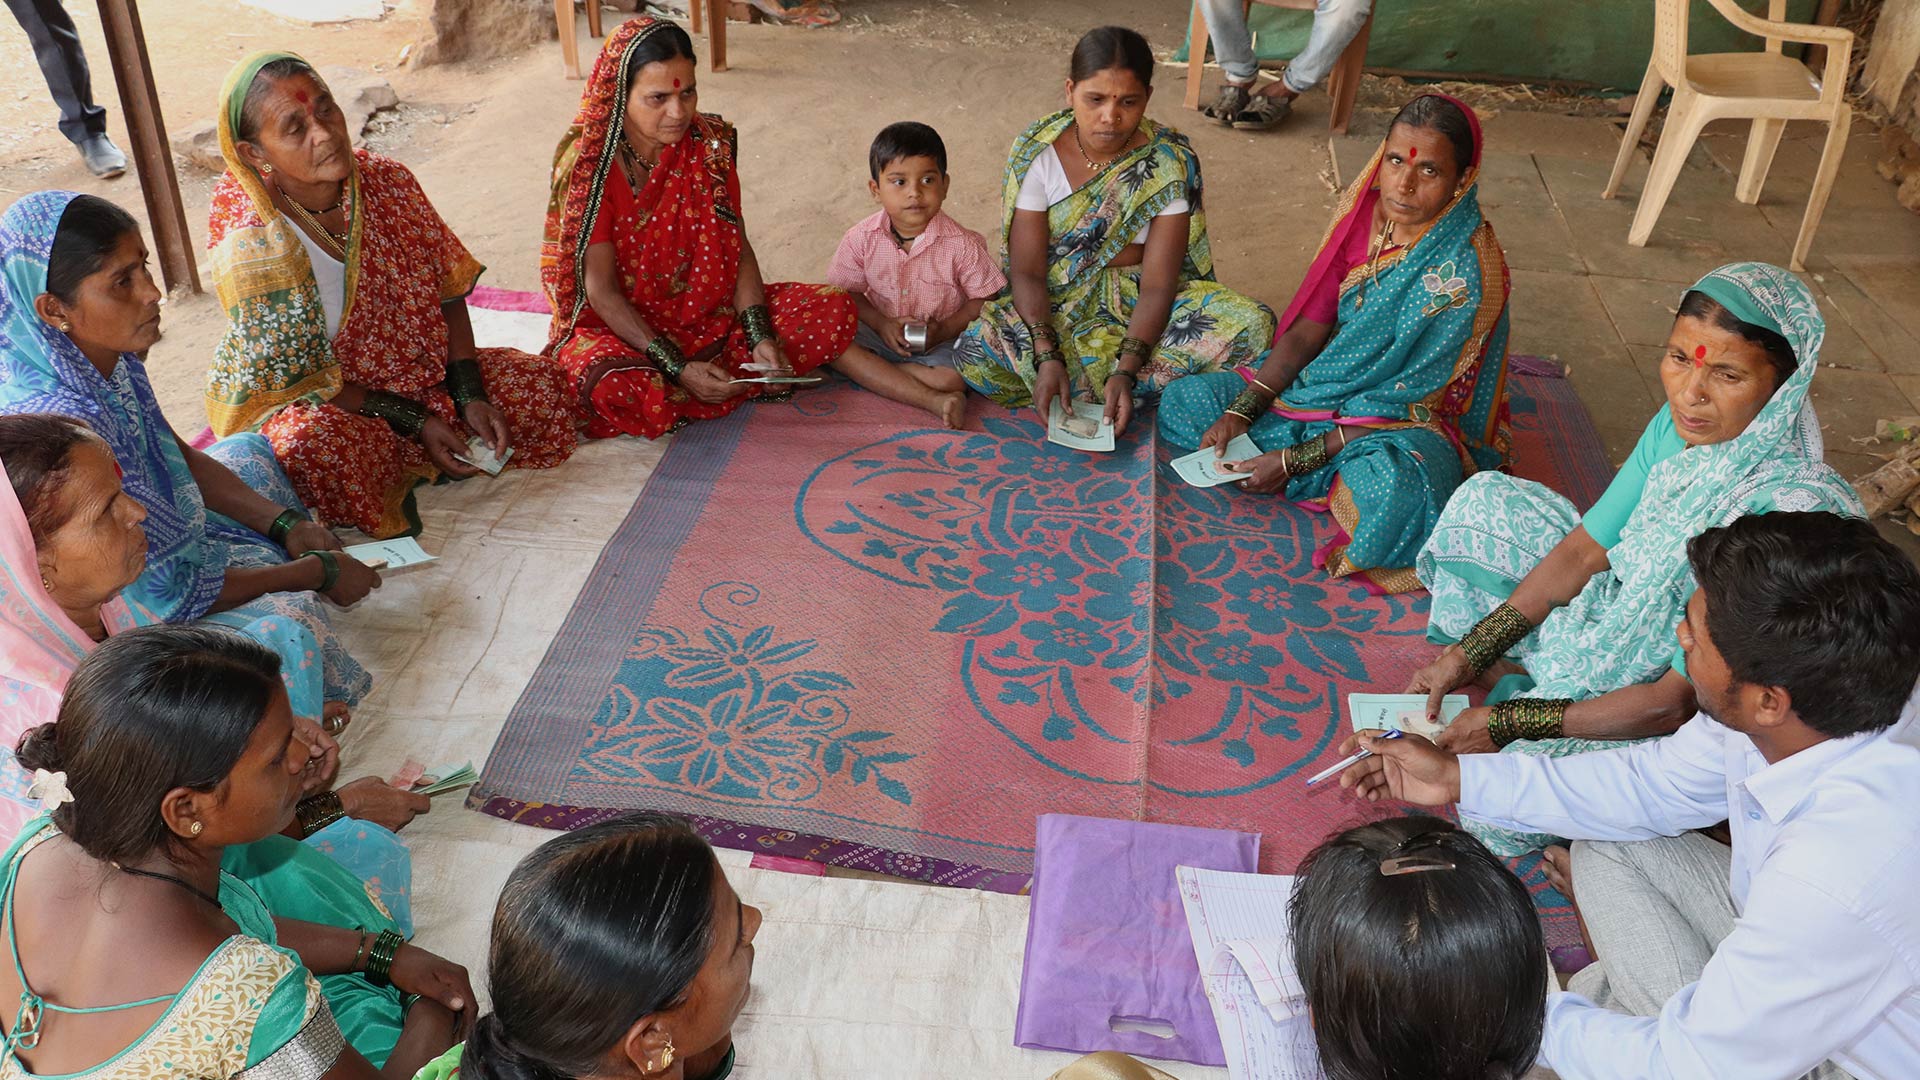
{"points": [[657, 299], [349, 346]]}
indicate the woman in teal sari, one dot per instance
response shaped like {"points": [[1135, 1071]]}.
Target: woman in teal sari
{"points": [[1110, 277], [1580, 648], [1387, 383]]}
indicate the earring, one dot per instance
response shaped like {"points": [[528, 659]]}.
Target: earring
{"points": [[45, 584], [666, 1057], [66, 327], [194, 829], [268, 169]]}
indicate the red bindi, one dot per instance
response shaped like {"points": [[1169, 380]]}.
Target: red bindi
{"points": [[676, 84], [1413, 153], [300, 96]]}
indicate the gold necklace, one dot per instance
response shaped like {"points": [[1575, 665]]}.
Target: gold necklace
{"points": [[1082, 147], [333, 240]]}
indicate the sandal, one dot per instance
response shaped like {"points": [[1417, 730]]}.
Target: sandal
{"points": [[1266, 112], [1229, 105]]}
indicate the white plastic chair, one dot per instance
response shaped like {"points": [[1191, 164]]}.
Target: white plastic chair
{"points": [[1765, 87]]}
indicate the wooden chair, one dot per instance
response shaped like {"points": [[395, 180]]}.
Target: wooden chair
{"points": [[698, 9], [569, 45], [715, 11], [1765, 87], [1342, 83]]}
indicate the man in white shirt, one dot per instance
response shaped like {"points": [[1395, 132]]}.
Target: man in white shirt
{"points": [[1803, 644]]}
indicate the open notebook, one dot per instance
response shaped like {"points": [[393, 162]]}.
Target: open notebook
{"points": [[1241, 939]]}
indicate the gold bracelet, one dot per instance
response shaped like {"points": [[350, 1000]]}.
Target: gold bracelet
{"points": [[1267, 388]]}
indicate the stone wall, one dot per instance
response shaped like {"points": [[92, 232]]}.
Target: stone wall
{"points": [[483, 29]]}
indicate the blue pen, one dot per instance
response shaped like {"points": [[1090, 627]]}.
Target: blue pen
{"points": [[1349, 759]]}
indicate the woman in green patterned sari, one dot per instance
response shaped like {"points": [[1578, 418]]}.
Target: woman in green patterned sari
{"points": [[1580, 648], [1110, 278]]}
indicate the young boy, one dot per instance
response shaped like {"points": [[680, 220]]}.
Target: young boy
{"points": [[911, 265]]}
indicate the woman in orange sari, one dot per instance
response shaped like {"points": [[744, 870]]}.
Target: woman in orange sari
{"points": [[349, 346], [658, 305]]}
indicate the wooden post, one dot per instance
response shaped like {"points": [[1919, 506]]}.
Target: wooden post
{"points": [[147, 130]]}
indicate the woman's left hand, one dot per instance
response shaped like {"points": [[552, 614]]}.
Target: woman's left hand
{"points": [[1119, 392], [1468, 733], [1265, 474], [486, 421], [770, 359], [417, 971], [311, 536]]}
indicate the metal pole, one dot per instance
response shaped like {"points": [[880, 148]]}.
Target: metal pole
{"points": [[147, 129]]}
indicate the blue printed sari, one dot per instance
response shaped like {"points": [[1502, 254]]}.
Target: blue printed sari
{"points": [[189, 548]]}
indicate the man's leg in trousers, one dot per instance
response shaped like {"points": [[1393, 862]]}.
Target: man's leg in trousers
{"points": [[1656, 910], [56, 45], [1232, 41]]}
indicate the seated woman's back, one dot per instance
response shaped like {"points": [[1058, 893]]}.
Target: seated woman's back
{"points": [[86, 939]]}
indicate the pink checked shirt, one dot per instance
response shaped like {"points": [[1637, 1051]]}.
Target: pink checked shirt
{"points": [[948, 265]]}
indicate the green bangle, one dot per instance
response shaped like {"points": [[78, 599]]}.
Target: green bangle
{"points": [[316, 812], [329, 570], [283, 525], [1250, 404], [405, 416], [380, 958], [1308, 457], [1492, 636], [464, 383], [667, 357], [757, 321], [1530, 719]]}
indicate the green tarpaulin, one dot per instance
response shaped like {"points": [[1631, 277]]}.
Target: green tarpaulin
{"points": [[1600, 42]]}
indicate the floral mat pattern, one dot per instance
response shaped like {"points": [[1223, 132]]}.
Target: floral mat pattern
{"points": [[826, 634]]}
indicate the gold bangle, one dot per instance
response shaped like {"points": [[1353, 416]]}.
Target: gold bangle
{"points": [[1267, 388]]}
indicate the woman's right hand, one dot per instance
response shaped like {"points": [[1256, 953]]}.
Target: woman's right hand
{"points": [[1229, 427], [356, 580], [708, 382], [441, 443], [1446, 673], [373, 799], [1049, 382]]}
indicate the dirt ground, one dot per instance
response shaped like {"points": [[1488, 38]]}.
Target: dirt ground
{"points": [[481, 136]]}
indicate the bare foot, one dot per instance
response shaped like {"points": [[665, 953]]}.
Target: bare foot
{"points": [[951, 408], [1557, 862], [335, 716]]}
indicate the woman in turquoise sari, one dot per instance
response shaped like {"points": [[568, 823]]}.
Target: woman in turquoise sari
{"points": [[1580, 648], [1110, 277], [1387, 383], [226, 537]]}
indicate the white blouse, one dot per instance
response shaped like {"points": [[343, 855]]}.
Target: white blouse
{"points": [[330, 274], [1047, 183]]}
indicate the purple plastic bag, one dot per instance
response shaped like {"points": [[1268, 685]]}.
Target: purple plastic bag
{"points": [[1107, 938]]}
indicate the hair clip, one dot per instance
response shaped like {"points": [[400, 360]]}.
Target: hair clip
{"points": [[50, 788], [1413, 864], [1405, 858]]}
